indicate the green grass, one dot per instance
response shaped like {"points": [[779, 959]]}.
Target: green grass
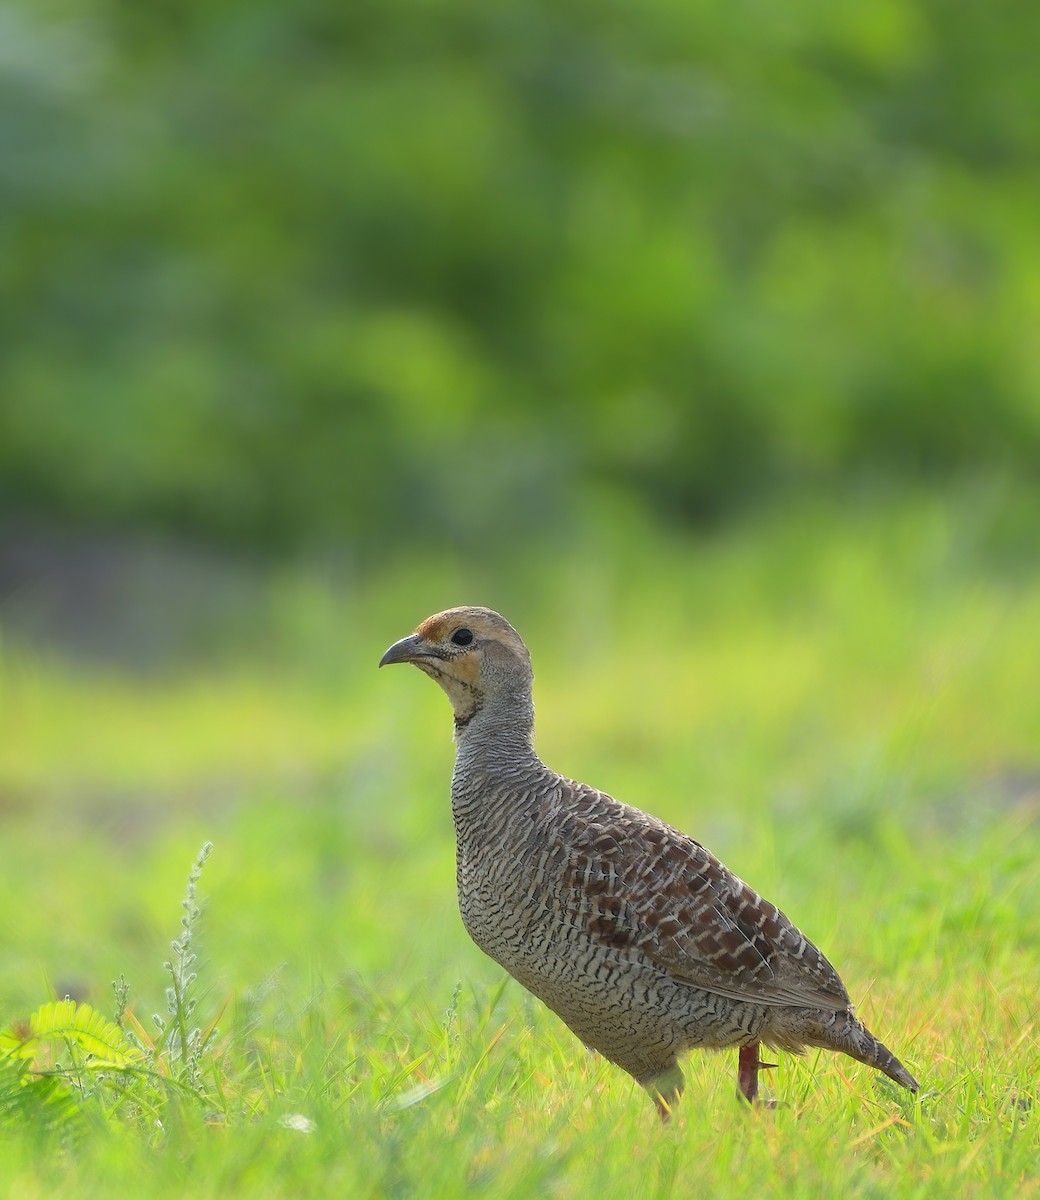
{"points": [[844, 709]]}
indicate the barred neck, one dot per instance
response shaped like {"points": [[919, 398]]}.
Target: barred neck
{"points": [[497, 739]]}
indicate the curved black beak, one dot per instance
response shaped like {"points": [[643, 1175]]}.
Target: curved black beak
{"points": [[407, 650]]}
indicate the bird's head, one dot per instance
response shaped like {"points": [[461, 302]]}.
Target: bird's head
{"points": [[475, 655]]}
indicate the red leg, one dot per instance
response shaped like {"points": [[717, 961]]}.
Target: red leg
{"points": [[747, 1072]]}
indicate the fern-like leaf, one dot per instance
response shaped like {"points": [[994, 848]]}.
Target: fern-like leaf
{"points": [[38, 1101], [77, 1025]]}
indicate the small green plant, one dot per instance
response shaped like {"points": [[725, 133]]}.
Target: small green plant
{"points": [[66, 1055], [181, 1042], [63, 1057]]}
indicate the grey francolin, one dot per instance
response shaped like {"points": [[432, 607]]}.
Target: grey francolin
{"points": [[631, 932]]}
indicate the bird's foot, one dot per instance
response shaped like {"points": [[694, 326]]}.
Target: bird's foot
{"points": [[665, 1090]]}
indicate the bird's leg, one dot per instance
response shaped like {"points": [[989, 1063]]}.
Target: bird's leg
{"points": [[747, 1072]]}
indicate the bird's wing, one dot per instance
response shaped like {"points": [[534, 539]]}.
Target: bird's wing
{"points": [[635, 882]]}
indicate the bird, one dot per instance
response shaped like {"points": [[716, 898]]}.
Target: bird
{"points": [[634, 934]]}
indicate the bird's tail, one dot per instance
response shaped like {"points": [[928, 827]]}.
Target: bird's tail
{"points": [[866, 1047], [843, 1031]]}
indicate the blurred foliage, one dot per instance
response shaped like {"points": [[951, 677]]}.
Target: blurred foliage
{"points": [[281, 273]]}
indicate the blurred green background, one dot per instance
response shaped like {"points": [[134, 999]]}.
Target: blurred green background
{"points": [[700, 339], [323, 275]]}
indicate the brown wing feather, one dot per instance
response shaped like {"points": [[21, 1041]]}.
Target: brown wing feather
{"points": [[645, 885]]}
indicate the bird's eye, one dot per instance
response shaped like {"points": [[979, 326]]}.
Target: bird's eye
{"points": [[462, 637]]}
